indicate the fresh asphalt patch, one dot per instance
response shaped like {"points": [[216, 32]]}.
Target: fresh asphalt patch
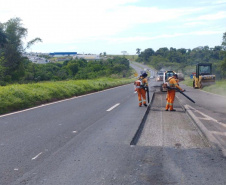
{"points": [[166, 128]]}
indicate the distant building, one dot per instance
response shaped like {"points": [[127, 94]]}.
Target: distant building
{"points": [[88, 57], [34, 57], [63, 54]]}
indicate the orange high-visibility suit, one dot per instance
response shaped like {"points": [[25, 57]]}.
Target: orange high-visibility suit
{"points": [[140, 84], [171, 93]]}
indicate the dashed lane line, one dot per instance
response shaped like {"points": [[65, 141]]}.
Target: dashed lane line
{"points": [[113, 107], [36, 156]]}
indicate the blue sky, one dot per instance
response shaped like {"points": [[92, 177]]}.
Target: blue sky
{"points": [[113, 26]]}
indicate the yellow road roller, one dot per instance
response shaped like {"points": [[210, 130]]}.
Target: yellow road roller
{"points": [[203, 76]]}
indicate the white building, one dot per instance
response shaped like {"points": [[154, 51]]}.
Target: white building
{"points": [[87, 57]]}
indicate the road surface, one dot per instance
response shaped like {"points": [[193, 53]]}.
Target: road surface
{"points": [[87, 140]]}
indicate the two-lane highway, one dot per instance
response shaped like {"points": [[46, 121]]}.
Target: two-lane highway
{"points": [[86, 141], [30, 138]]}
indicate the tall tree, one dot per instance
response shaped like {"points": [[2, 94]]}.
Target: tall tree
{"points": [[162, 51], [147, 53], [138, 51], [13, 46], [224, 40], [2, 37], [223, 64]]}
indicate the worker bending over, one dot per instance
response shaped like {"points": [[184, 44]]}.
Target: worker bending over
{"points": [[141, 85], [173, 84]]}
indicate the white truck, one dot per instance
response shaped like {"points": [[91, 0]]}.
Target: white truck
{"points": [[166, 75]]}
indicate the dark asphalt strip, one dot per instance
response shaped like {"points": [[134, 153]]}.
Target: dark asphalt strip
{"points": [[140, 128]]}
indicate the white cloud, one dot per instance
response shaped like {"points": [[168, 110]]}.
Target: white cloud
{"points": [[219, 2], [68, 22], [215, 16], [72, 20], [195, 23], [63, 19], [208, 2], [175, 35]]}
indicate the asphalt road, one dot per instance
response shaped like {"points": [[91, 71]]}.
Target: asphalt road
{"points": [[186, 153], [42, 139], [86, 140], [209, 112]]}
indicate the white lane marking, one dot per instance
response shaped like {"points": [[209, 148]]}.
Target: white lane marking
{"points": [[74, 131], [113, 107], [16, 169], [44, 105], [208, 134], [206, 117], [219, 133], [36, 156]]}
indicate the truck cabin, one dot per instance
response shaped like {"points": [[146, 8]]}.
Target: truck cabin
{"points": [[203, 69], [168, 74]]}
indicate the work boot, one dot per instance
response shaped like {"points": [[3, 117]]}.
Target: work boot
{"points": [[140, 105], [173, 110], [145, 105], [166, 109]]}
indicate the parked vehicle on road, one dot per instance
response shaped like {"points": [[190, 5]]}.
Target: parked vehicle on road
{"points": [[166, 76], [159, 76], [180, 76]]}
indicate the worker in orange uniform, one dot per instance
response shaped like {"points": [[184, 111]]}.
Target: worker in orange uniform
{"points": [[173, 83], [141, 85]]}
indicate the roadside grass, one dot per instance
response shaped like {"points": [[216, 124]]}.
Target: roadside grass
{"points": [[187, 81], [218, 88], [17, 97], [129, 57]]}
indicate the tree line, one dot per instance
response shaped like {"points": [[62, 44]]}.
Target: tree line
{"points": [[76, 69], [185, 59], [15, 68]]}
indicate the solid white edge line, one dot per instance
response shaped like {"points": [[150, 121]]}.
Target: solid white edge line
{"points": [[201, 126], [113, 107], [209, 118], [219, 133], [59, 101], [36, 156]]}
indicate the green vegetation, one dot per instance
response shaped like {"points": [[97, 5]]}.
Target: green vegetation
{"points": [[129, 57], [72, 69], [11, 48], [184, 60], [138, 50], [24, 84], [14, 68], [17, 97], [187, 81], [218, 88]]}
